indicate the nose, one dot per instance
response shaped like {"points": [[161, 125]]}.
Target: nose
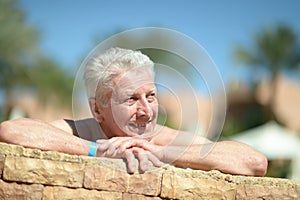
{"points": [[143, 108]]}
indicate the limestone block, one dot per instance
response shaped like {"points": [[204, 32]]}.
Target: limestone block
{"points": [[127, 196], [30, 170], [9, 149], [14, 191], [264, 187], [62, 193], [80, 177], [248, 191], [16, 150], [57, 156], [2, 159], [111, 179], [32, 153], [192, 184], [118, 164]]}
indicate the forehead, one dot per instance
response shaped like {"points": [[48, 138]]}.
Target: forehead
{"points": [[134, 80]]}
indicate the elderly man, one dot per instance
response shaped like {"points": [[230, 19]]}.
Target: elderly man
{"points": [[122, 97]]}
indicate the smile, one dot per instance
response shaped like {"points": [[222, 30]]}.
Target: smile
{"points": [[140, 124]]}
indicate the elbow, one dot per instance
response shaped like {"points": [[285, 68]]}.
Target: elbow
{"points": [[257, 165], [6, 132]]}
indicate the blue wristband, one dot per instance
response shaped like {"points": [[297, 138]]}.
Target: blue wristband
{"points": [[93, 149]]}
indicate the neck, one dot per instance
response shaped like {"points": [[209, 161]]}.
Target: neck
{"points": [[109, 134], [106, 131]]}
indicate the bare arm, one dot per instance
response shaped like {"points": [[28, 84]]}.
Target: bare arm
{"points": [[58, 136], [227, 156], [45, 136], [199, 153]]}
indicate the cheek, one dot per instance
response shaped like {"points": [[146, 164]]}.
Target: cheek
{"points": [[122, 113], [154, 108]]}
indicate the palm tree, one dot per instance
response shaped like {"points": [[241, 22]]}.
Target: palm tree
{"points": [[52, 83], [275, 49]]}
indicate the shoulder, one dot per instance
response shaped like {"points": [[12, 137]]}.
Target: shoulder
{"points": [[64, 124], [88, 129]]}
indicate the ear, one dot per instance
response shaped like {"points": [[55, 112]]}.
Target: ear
{"points": [[96, 110]]}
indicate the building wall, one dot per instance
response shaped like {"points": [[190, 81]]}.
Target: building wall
{"points": [[33, 174]]}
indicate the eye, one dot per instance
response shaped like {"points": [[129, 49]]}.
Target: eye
{"points": [[151, 97], [131, 100], [153, 94]]}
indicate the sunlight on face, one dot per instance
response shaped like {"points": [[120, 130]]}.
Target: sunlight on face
{"points": [[133, 108]]}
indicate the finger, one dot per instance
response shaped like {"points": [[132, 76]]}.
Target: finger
{"points": [[100, 141], [111, 151], [130, 158], [120, 141], [108, 148], [103, 146], [143, 159], [131, 143], [150, 157], [114, 148], [154, 160]]}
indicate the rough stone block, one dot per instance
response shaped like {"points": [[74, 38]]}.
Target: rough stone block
{"points": [[16, 150], [2, 159], [62, 193], [110, 179], [30, 170], [57, 156], [192, 184], [247, 191], [80, 177], [127, 196], [9, 149], [20, 191]]}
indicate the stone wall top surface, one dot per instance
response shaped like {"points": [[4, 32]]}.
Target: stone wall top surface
{"points": [[54, 175]]}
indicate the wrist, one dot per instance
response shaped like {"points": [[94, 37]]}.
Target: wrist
{"points": [[159, 152], [93, 149]]}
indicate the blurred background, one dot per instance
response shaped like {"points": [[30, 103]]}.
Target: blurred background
{"points": [[255, 45]]}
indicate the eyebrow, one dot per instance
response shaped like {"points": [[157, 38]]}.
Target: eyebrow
{"points": [[130, 92], [152, 89]]}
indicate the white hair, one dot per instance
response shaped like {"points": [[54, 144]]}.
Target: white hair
{"points": [[102, 68]]}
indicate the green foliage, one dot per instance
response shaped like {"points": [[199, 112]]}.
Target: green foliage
{"points": [[17, 45], [22, 65], [280, 168], [275, 49], [278, 47], [242, 118], [52, 83]]}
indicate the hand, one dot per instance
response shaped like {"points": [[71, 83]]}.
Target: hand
{"points": [[156, 150], [114, 148]]}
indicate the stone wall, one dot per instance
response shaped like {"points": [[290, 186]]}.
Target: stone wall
{"points": [[33, 174]]}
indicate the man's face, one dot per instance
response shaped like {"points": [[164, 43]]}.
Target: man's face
{"points": [[133, 108]]}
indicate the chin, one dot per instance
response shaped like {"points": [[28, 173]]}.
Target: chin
{"points": [[139, 133]]}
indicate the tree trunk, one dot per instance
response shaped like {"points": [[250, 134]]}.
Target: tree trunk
{"points": [[273, 95]]}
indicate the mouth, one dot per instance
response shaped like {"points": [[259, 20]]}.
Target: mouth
{"points": [[142, 129], [140, 124]]}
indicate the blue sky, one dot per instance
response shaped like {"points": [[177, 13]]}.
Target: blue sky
{"points": [[68, 27]]}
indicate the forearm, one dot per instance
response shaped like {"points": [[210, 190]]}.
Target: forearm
{"points": [[37, 134], [228, 157]]}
